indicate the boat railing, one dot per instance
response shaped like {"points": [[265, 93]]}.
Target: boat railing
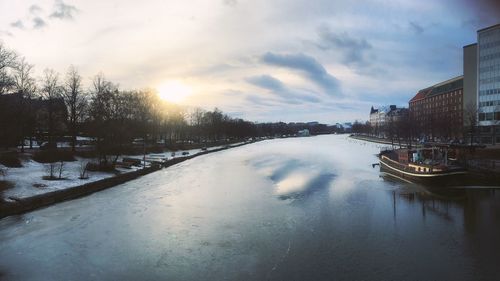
{"points": [[395, 163]]}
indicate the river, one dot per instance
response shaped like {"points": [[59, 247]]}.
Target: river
{"points": [[286, 209]]}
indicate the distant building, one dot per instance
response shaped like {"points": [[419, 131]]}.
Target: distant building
{"points": [[373, 117], [488, 84], [437, 111], [380, 117]]}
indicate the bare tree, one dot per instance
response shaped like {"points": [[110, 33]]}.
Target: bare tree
{"points": [[144, 107], [470, 117], [25, 86], [50, 91], [101, 113], [24, 81], [7, 63], [196, 120], [75, 101], [408, 128]]}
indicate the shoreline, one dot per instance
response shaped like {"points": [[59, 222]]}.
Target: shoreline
{"points": [[476, 174], [375, 140], [27, 204]]}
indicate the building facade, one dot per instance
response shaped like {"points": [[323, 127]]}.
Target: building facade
{"points": [[488, 84], [437, 111], [382, 116], [470, 85], [373, 117]]}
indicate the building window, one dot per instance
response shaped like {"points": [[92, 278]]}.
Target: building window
{"points": [[489, 116]]}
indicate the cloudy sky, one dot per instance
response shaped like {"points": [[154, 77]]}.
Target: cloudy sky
{"points": [[263, 60]]}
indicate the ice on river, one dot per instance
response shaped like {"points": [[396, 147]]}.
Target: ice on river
{"points": [[285, 209]]}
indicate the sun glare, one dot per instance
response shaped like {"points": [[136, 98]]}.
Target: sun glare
{"points": [[174, 91]]}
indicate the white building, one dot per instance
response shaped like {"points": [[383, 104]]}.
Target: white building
{"points": [[379, 117]]}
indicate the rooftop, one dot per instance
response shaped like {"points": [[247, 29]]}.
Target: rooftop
{"points": [[447, 86], [421, 94], [470, 45], [489, 27]]}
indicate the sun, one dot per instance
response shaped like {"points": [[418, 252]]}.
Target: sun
{"points": [[174, 91]]}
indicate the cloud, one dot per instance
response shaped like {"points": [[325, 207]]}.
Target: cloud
{"points": [[63, 11], [266, 82], [38, 23], [230, 3], [307, 65], [18, 24], [5, 32], [259, 100], [278, 88], [418, 29], [35, 9], [353, 50]]}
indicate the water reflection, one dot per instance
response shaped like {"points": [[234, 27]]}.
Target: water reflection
{"points": [[293, 178], [288, 209], [475, 212]]}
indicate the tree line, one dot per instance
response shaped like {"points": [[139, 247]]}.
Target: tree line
{"points": [[408, 129], [54, 105]]}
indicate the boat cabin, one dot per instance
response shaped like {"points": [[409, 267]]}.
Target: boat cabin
{"points": [[421, 160]]}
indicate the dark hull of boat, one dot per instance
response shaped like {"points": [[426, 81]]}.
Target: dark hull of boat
{"points": [[452, 177]]}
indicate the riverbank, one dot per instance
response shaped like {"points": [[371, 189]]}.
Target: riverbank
{"points": [[309, 207], [483, 165], [21, 205], [376, 140]]}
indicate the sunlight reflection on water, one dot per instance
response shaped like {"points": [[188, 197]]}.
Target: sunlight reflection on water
{"points": [[285, 209]]}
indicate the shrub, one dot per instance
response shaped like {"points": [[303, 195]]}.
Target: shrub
{"points": [[52, 156], [83, 171], [10, 159], [54, 171]]}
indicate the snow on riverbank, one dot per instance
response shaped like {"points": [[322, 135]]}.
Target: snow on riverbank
{"points": [[28, 180]]}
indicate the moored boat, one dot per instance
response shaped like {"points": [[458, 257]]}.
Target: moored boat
{"points": [[433, 165]]}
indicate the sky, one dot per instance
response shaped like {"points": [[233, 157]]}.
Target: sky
{"points": [[261, 60]]}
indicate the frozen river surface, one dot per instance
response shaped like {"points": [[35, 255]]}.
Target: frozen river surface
{"points": [[287, 209]]}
